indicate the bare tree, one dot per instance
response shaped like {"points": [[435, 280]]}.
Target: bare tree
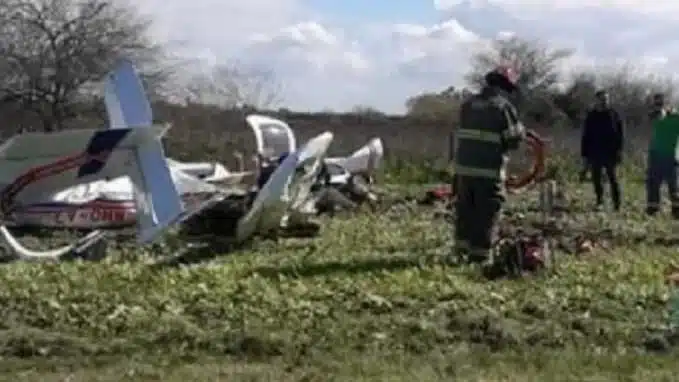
{"points": [[367, 111], [629, 87], [577, 97], [538, 67], [536, 63], [231, 86], [52, 49]]}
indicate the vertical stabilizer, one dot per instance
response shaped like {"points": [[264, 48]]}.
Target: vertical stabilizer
{"points": [[156, 197], [127, 104], [157, 200]]}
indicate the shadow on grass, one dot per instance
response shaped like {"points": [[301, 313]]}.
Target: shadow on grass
{"points": [[193, 255], [339, 267]]}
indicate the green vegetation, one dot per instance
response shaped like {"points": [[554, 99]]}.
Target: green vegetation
{"points": [[370, 300]]}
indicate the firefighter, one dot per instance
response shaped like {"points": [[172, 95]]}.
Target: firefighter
{"points": [[489, 129], [663, 157]]}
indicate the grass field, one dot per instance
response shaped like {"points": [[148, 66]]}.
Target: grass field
{"points": [[367, 301]]}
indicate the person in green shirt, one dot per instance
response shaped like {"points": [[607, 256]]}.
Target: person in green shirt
{"points": [[663, 157]]}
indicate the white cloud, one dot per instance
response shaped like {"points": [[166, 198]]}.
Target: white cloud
{"points": [[638, 6], [429, 52], [321, 68], [334, 65], [308, 45], [218, 23]]}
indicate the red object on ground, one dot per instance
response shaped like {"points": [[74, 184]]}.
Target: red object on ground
{"points": [[533, 257], [441, 192]]}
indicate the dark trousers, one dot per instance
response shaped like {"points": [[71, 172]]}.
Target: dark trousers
{"points": [[661, 169], [478, 208], [598, 170]]}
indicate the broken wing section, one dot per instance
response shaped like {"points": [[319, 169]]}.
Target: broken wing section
{"points": [[271, 202], [197, 195], [309, 167], [211, 172], [366, 159]]}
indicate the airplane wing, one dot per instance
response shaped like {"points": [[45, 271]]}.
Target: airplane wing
{"points": [[367, 158]]}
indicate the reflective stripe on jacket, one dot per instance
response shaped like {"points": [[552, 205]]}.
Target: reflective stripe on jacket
{"points": [[489, 128]]}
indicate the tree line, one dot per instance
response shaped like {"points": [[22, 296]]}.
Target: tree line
{"points": [[550, 96], [55, 53]]}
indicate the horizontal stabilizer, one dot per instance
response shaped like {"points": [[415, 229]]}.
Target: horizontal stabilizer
{"points": [[64, 143]]}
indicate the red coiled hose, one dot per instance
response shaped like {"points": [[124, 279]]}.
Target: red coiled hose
{"points": [[538, 151]]}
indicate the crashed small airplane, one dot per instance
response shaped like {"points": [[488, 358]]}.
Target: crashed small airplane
{"points": [[347, 178], [112, 180]]}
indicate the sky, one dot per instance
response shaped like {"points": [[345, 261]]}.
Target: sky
{"points": [[339, 54]]}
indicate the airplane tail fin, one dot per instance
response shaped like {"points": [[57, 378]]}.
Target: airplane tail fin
{"points": [[157, 200], [127, 104]]}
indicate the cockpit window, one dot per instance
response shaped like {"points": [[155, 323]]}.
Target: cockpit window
{"points": [[275, 140]]}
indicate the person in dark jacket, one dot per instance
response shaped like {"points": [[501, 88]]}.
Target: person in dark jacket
{"points": [[602, 145], [489, 129]]}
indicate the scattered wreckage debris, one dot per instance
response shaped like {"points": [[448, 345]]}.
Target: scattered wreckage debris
{"points": [[519, 252], [519, 255], [118, 182]]}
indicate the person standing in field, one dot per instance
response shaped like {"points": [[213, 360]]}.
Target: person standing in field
{"points": [[602, 143], [663, 157], [489, 129]]}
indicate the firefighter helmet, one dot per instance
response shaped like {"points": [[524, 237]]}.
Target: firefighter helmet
{"points": [[504, 77]]}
